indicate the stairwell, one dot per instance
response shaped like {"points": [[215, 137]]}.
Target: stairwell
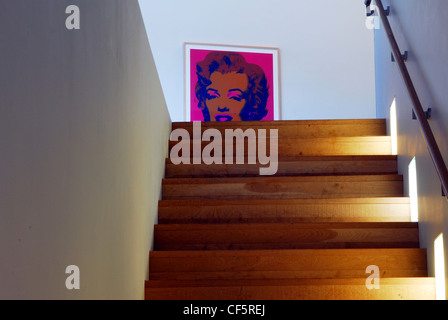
{"points": [[334, 208]]}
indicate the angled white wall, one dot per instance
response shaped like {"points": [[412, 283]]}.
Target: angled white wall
{"points": [[326, 51], [83, 136], [420, 28]]}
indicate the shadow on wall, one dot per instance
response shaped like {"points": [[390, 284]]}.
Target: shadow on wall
{"points": [[85, 126]]}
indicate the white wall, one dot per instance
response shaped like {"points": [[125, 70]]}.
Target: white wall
{"points": [[326, 51], [421, 28], [83, 135]]}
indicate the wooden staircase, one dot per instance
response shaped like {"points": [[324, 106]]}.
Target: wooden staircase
{"points": [[335, 207]]}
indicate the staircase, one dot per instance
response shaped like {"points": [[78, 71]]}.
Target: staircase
{"points": [[335, 207]]}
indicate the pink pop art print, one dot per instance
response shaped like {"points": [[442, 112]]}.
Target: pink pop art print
{"points": [[231, 83]]}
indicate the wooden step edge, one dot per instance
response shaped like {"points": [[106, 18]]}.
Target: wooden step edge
{"points": [[288, 245], [280, 173], [282, 236], [375, 124], [286, 282], [273, 179], [283, 169], [291, 159], [282, 141], [289, 252], [275, 202], [390, 289], [285, 210], [286, 226]]}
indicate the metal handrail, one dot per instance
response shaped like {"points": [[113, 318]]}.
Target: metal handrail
{"points": [[421, 116]]}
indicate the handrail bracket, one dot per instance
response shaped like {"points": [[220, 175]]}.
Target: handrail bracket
{"points": [[428, 114]]}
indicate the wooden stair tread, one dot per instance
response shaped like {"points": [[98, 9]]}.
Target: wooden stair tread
{"points": [[285, 264], [282, 226], [331, 146], [303, 165], [380, 157], [283, 253], [283, 187], [300, 128], [285, 236], [269, 179], [264, 202], [303, 289], [285, 210], [284, 282]]}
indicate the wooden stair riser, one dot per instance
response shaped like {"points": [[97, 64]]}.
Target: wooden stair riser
{"points": [[301, 166], [285, 211], [277, 211], [302, 129], [293, 147], [283, 187], [315, 289], [285, 264], [286, 236]]}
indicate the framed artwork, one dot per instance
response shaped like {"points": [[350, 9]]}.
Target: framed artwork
{"points": [[231, 83]]}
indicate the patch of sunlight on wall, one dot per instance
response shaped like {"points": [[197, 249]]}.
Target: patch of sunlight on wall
{"points": [[413, 194], [439, 265], [394, 127]]}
